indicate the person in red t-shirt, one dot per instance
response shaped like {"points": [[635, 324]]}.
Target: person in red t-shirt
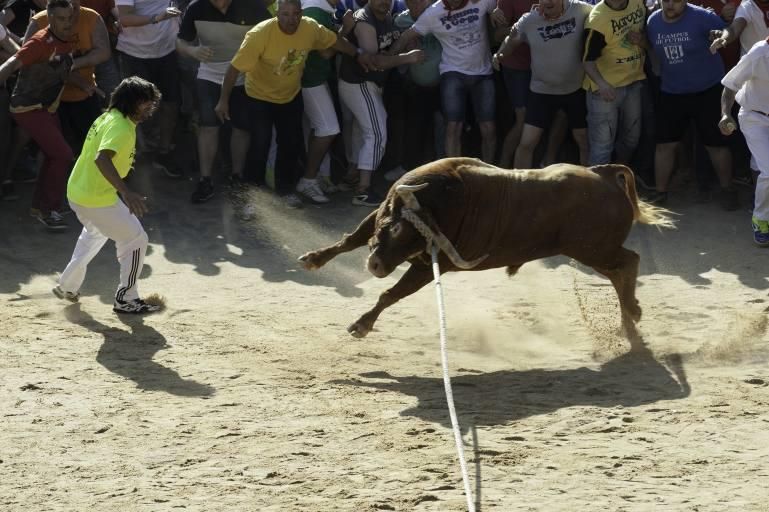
{"points": [[45, 61]]}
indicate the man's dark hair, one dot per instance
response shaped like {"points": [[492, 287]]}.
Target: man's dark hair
{"points": [[132, 92], [53, 4]]}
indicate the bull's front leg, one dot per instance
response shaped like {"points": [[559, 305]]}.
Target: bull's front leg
{"points": [[315, 259], [415, 278]]}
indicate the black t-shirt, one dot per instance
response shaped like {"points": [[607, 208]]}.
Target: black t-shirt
{"points": [[246, 13], [386, 33], [23, 10]]}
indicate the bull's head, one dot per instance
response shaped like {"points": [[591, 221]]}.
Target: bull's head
{"points": [[403, 234]]}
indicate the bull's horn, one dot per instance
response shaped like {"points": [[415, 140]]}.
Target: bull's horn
{"points": [[407, 194], [446, 246]]}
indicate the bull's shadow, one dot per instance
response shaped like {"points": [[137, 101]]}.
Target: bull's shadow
{"points": [[497, 398], [129, 354]]}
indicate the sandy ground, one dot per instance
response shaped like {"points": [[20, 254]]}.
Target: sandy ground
{"points": [[248, 394]]}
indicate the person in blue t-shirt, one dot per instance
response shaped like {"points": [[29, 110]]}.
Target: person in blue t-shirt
{"points": [[679, 35]]}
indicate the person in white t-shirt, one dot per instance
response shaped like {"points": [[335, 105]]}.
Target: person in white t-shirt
{"points": [[461, 28], [147, 48], [747, 83], [750, 25]]}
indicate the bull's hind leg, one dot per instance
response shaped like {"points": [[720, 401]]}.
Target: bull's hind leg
{"points": [[415, 278], [623, 273], [315, 259]]}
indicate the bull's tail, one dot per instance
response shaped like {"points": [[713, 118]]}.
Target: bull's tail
{"points": [[643, 212]]}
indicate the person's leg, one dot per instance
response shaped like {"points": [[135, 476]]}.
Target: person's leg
{"points": [[670, 123], [288, 128], [7, 191], [207, 138], [367, 106], [240, 134], [88, 245], [629, 132], [707, 115], [483, 96], [524, 154], [453, 101], [45, 130], [324, 126], [755, 128], [664, 160], [602, 121], [517, 86], [573, 105]]}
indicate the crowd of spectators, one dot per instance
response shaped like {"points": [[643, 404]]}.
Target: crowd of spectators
{"points": [[402, 81]]}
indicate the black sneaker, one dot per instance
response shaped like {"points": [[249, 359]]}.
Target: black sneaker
{"points": [[203, 192], [52, 221], [8, 191], [169, 165], [134, 307], [729, 199], [658, 198], [368, 198]]}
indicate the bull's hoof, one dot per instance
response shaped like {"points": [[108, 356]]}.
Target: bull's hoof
{"points": [[310, 261], [358, 330], [634, 313]]}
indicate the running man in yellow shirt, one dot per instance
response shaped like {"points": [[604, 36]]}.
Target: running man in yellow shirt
{"points": [[92, 191]]}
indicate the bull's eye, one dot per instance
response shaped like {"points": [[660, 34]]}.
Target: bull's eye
{"points": [[395, 229]]}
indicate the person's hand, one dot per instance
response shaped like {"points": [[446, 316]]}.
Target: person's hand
{"points": [[495, 60], [366, 61], [92, 89], [416, 56], [222, 110], [135, 202], [607, 92], [728, 12], [118, 26], [348, 22], [498, 18], [635, 37], [203, 53], [170, 12], [727, 124], [719, 40]]}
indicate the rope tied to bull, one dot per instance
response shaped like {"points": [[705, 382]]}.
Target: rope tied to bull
{"points": [[433, 245]]}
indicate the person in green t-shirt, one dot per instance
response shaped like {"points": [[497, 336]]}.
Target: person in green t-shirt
{"points": [[92, 190]]}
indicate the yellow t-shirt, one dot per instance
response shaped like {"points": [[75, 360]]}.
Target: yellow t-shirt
{"points": [[621, 62], [273, 61], [87, 186]]}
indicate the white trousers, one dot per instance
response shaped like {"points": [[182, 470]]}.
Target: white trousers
{"points": [[320, 118], [755, 128], [364, 102], [100, 224]]}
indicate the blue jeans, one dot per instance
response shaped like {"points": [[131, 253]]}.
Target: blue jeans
{"points": [[456, 87], [614, 125]]}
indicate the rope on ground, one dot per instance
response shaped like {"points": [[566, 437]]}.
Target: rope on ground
{"points": [[447, 379]]}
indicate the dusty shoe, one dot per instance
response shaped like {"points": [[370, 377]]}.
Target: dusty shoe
{"points": [[52, 221], [70, 296], [729, 199], [311, 190], [203, 192], [327, 186], [368, 198], [760, 232], [134, 307]]}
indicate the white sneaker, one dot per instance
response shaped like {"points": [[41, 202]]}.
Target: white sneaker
{"points": [[311, 190], [327, 186], [292, 201], [395, 174]]}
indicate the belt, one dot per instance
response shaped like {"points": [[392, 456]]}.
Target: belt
{"points": [[759, 112]]}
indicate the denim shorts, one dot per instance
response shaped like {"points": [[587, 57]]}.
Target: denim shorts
{"points": [[456, 87]]}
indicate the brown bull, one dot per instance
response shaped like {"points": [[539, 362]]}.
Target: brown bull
{"points": [[483, 217]]}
